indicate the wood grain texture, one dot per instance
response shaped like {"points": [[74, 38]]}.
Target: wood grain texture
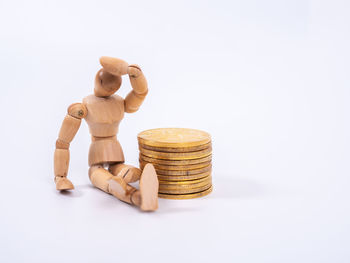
{"points": [[61, 162], [105, 150], [69, 128], [137, 80], [77, 110], [130, 174], [104, 114], [115, 185], [139, 85], [149, 189], [62, 183], [99, 177], [106, 84], [127, 193], [115, 66], [133, 101], [61, 144]]}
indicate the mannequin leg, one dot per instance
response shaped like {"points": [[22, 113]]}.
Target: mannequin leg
{"points": [[130, 175], [146, 198]]}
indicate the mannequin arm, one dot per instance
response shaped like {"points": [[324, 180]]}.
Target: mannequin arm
{"points": [[69, 128], [119, 67], [139, 91]]}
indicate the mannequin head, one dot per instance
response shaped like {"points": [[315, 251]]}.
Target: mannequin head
{"points": [[106, 84]]}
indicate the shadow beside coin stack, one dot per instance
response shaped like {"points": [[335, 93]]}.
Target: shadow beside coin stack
{"points": [[182, 159]]}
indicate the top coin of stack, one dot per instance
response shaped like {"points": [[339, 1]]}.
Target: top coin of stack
{"points": [[182, 159]]}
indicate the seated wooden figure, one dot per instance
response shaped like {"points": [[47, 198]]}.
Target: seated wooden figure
{"points": [[103, 112]]}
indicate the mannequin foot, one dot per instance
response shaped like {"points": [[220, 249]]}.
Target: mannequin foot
{"points": [[149, 188]]}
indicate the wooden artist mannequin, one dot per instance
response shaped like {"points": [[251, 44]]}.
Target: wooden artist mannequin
{"points": [[103, 112]]}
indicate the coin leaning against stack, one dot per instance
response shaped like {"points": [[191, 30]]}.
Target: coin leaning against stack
{"points": [[182, 159]]}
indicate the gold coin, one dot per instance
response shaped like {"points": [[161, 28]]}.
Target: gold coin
{"points": [[177, 149], [180, 186], [184, 190], [177, 156], [186, 196], [182, 177], [176, 167], [173, 137], [174, 162], [207, 178], [184, 172]]}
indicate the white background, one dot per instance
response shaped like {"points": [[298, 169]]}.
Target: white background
{"points": [[268, 79]]}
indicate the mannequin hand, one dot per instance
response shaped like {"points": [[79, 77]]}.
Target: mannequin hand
{"points": [[134, 71], [115, 66], [62, 183]]}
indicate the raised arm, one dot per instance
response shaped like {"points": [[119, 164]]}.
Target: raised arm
{"points": [[139, 91], [119, 67], [69, 128]]}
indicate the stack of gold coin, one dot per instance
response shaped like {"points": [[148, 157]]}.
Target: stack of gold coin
{"points": [[182, 159]]}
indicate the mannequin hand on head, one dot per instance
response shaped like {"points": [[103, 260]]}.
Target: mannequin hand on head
{"points": [[138, 81], [114, 66], [134, 71]]}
